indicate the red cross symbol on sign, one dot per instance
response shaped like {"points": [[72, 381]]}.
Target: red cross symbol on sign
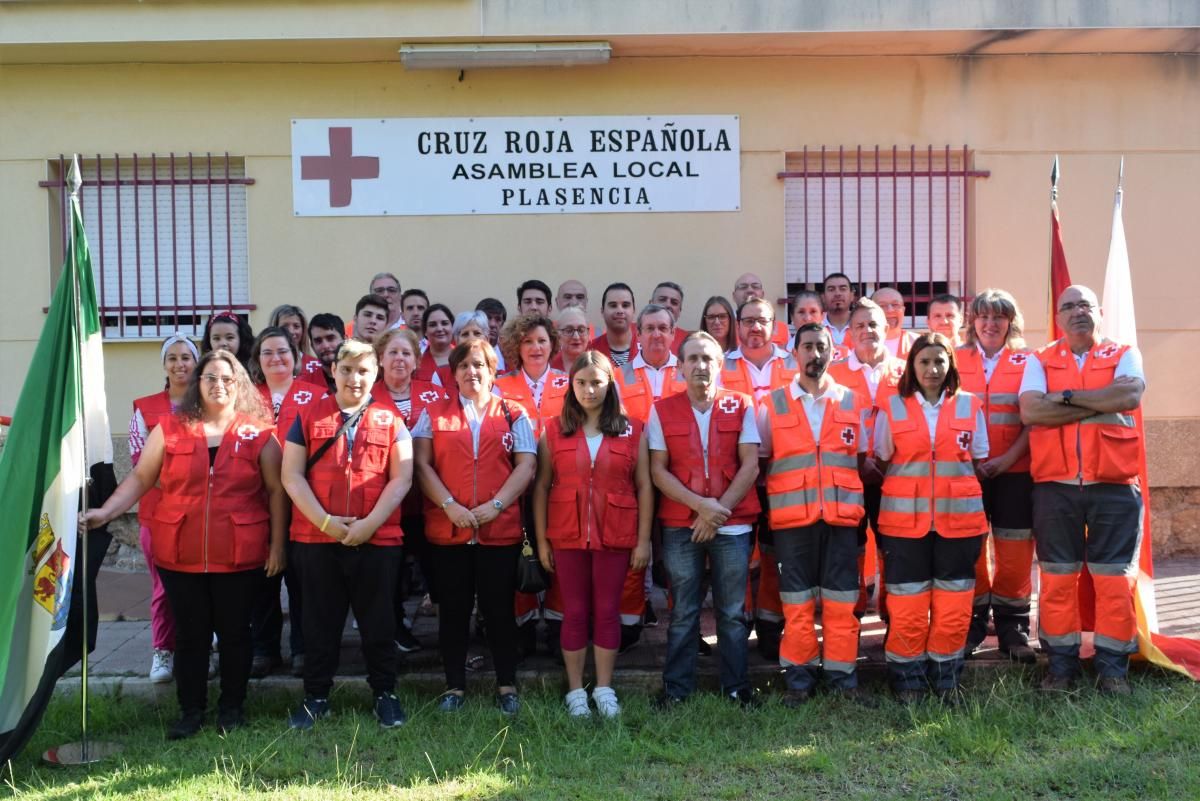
{"points": [[339, 167], [848, 435], [964, 440], [728, 404]]}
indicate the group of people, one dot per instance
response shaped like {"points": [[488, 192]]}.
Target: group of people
{"points": [[322, 454]]}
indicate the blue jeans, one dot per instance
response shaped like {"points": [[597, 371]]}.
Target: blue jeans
{"points": [[684, 560]]}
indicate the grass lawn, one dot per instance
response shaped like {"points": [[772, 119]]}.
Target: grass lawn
{"points": [[1007, 742]]}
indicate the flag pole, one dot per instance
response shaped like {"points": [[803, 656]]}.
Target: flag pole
{"points": [[84, 752]]}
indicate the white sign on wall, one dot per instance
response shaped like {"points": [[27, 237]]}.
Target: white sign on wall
{"points": [[515, 165]]}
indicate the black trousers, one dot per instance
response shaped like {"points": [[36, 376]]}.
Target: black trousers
{"points": [[335, 579], [266, 621], [464, 573], [417, 546], [204, 603]]}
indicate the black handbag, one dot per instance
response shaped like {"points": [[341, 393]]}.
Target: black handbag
{"points": [[531, 576]]}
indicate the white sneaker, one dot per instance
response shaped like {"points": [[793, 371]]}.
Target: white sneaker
{"points": [[606, 702], [162, 666], [577, 704]]}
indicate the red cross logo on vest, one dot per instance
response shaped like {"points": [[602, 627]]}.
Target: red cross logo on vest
{"points": [[302, 397], [247, 432], [381, 417], [559, 381], [509, 441], [428, 396], [728, 404], [848, 435], [1017, 358], [628, 432], [1107, 352], [340, 167], [964, 440]]}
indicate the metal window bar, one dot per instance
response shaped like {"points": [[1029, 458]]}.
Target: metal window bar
{"points": [[927, 252], [163, 260]]}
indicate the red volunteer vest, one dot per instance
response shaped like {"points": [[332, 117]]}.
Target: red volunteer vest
{"points": [[512, 387], [427, 368], [421, 394], [600, 344], [932, 488], [593, 506], [299, 395], [153, 408], [686, 455], [211, 520], [472, 479], [810, 481], [637, 395], [345, 485], [1001, 407], [1110, 444]]}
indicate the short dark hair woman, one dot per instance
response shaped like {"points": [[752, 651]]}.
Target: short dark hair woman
{"points": [[219, 522], [593, 505]]}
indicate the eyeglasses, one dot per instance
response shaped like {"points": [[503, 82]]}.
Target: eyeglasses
{"points": [[717, 318], [210, 379], [753, 321], [744, 287], [573, 332], [1083, 306], [387, 290]]}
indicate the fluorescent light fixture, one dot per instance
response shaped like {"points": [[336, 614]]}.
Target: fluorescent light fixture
{"points": [[467, 55]]}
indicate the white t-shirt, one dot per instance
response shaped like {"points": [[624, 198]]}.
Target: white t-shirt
{"points": [[884, 448], [838, 335], [593, 445], [873, 374], [748, 436], [655, 375], [989, 362], [760, 377], [814, 411]]}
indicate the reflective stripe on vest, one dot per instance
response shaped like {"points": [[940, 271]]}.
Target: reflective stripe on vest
{"points": [[809, 481], [1001, 401]]}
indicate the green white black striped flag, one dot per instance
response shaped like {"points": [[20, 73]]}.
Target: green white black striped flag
{"points": [[59, 429]]}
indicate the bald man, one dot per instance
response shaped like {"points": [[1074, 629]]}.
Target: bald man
{"points": [[898, 341], [749, 285], [572, 293]]}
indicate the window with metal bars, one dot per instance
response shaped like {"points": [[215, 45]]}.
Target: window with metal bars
{"points": [[167, 236], [883, 216]]}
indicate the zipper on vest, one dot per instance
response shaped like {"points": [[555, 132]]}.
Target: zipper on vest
{"points": [[820, 477], [207, 500], [933, 482]]}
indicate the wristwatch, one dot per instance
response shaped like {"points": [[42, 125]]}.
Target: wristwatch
{"points": [[1066, 397], [496, 502], [447, 502]]}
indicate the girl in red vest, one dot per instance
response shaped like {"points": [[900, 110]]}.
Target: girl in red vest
{"points": [[220, 520], [593, 505], [475, 454], [991, 365], [179, 356], [929, 439], [273, 370], [347, 465], [399, 349], [438, 325]]}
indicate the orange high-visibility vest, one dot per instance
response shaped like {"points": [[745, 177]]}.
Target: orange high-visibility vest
{"points": [[856, 381], [810, 481], [735, 375], [1109, 443], [636, 394], [932, 488], [781, 336], [513, 387], [1000, 397]]}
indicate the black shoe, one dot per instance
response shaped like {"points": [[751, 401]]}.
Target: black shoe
{"points": [[746, 697], [262, 666], [451, 702], [794, 699], [1113, 685], [230, 719], [189, 724], [648, 617], [509, 704], [1057, 683], [703, 648], [298, 665], [909, 697], [309, 713], [1021, 652], [665, 701], [405, 640], [855, 695], [388, 711]]}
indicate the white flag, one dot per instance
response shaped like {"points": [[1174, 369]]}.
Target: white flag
{"points": [[1118, 322]]}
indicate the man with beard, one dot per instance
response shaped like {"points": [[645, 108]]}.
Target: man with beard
{"points": [[749, 285], [619, 341], [837, 293], [326, 332], [814, 442]]}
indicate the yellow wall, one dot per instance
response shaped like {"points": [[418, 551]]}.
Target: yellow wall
{"points": [[1015, 112]]}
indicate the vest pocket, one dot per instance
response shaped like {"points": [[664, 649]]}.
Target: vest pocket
{"points": [[620, 521], [1117, 454], [164, 535], [376, 448], [251, 537], [964, 508], [850, 498], [562, 516]]}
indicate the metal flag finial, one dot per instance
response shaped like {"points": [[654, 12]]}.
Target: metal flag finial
{"points": [[74, 176], [1054, 179], [1121, 175]]}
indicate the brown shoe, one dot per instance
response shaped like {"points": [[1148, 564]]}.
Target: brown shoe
{"points": [[1114, 685], [1054, 682], [794, 699], [1021, 653]]}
